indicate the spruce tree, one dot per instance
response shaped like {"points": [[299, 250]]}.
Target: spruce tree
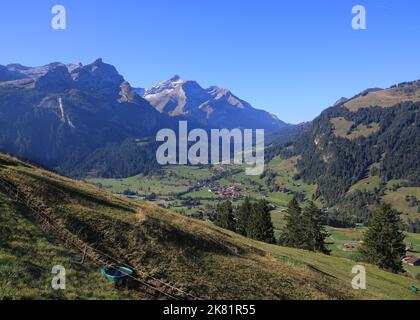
{"points": [[383, 244], [292, 233], [243, 217], [260, 223], [314, 233], [224, 216]]}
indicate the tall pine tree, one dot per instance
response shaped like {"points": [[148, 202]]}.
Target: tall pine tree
{"points": [[292, 233], [260, 223], [224, 216], [243, 217], [384, 241], [314, 233]]}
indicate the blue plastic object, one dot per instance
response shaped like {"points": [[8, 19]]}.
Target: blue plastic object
{"points": [[116, 273]]}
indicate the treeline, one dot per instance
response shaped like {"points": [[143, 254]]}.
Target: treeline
{"points": [[304, 228], [251, 219], [355, 209], [352, 209], [413, 226]]}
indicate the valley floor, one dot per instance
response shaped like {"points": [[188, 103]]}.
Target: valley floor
{"points": [[188, 190]]}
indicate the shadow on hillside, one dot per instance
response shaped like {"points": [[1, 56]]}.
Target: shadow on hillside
{"points": [[78, 193]]}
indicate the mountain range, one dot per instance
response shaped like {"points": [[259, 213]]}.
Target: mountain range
{"points": [[212, 107], [77, 118]]}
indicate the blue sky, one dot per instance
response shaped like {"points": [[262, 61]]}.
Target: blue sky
{"points": [[292, 58]]}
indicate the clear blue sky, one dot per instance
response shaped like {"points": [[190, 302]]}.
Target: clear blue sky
{"points": [[292, 58]]}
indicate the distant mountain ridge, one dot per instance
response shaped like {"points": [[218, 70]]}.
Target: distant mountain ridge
{"points": [[213, 107], [78, 119], [58, 115]]}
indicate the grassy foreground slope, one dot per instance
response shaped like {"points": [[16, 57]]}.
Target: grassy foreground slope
{"points": [[27, 256], [194, 256]]}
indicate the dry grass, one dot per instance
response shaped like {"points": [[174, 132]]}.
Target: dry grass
{"points": [[342, 128], [368, 184], [385, 98], [397, 199], [195, 256]]}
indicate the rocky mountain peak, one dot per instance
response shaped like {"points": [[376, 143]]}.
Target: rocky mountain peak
{"points": [[99, 77], [9, 75], [57, 78], [128, 94], [175, 78], [340, 101], [214, 106]]}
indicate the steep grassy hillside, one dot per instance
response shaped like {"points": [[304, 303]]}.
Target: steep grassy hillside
{"points": [[27, 256], [195, 257], [408, 91], [380, 284]]}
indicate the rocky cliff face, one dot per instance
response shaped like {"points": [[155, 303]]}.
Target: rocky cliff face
{"points": [[98, 77], [57, 115]]}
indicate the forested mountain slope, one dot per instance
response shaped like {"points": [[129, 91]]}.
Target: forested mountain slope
{"points": [[363, 150]]}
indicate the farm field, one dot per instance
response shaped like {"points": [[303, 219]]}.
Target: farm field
{"points": [[341, 237], [179, 186], [341, 268], [397, 199], [344, 242]]}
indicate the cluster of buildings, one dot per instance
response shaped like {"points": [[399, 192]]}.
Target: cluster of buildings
{"points": [[227, 192]]}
